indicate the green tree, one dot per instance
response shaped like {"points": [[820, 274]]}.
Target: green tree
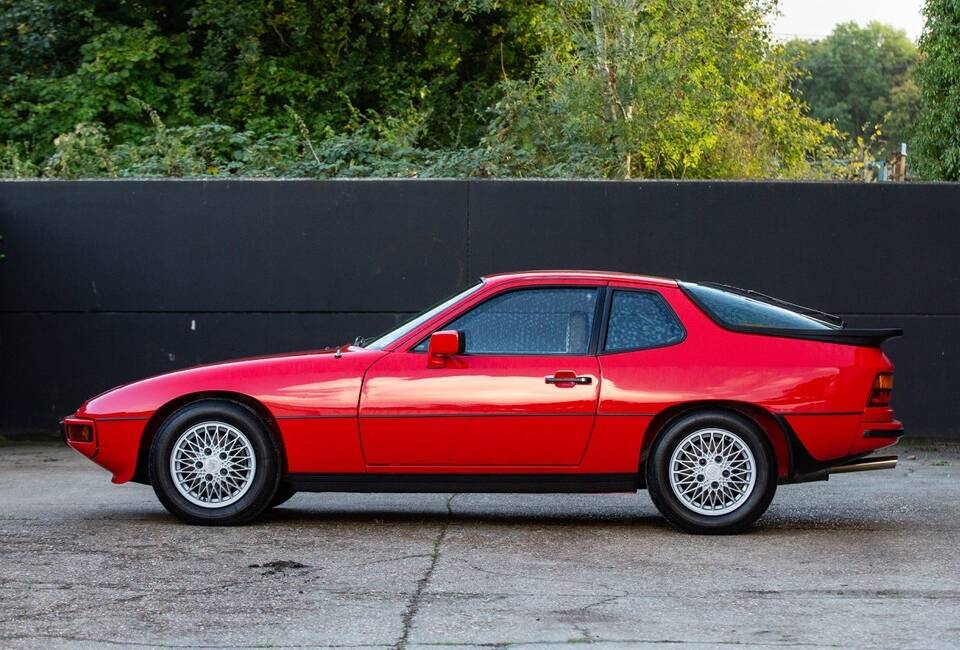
{"points": [[422, 71], [431, 67], [938, 76], [400, 88], [662, 88], [861, 77]]}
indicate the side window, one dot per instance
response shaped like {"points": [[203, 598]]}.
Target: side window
{"points": [[639, 320], [529, 321]]}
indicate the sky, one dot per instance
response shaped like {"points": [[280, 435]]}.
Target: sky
{"points": [[816, 18]]}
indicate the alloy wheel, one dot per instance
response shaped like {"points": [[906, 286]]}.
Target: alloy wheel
{"points": [[212, 464], [712, 471]]}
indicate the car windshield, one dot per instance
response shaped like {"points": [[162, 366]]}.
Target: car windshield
{"points": [[416, 321], [733, 308]]}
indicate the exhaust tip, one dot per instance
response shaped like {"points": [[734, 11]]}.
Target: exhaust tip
{"points": [[866, 465]]}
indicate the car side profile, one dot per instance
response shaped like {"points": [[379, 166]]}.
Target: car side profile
{"points": [[706, 395]]}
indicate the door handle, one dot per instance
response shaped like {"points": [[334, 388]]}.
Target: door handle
{"points": [[583, 380]]}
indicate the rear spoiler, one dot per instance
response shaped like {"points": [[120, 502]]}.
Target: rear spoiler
{"points": [[839, 333], [872, 338]]}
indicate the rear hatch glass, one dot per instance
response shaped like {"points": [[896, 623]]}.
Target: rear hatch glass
{"points": [[742, 308]]}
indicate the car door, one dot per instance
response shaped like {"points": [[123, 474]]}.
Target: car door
{"points": [[523, 393]]}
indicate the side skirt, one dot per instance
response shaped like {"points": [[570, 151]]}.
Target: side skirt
{"points": [[465, 483]]}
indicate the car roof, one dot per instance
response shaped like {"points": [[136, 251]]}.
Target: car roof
{"points": [[552, 274]]}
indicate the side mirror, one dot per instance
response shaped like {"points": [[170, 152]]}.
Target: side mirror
{"points": [[442, 345]]}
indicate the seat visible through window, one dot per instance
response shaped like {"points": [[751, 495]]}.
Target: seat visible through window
{"points": [[555, 320], [578, 332]]}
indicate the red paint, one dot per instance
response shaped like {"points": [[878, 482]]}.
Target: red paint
{"points": [[478, 410], [361, 410], [119, 440], [443, 345], [88, 449]]}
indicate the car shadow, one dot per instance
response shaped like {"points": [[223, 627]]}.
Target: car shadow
{"points": [[306, 516], [307, 513], [767, 525], [302, 518], [775, 523]]}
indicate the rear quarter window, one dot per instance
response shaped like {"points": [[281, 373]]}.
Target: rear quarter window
{"points": [[641, 320]]}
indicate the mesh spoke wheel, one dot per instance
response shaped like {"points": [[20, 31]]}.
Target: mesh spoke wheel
{"points": [[712, 471], [212, 464]]}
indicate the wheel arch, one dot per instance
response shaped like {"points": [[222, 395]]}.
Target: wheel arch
{"points": [[757, 414], [141, 475]]}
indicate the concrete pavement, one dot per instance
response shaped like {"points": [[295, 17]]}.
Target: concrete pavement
{"points": [[865, 560]]}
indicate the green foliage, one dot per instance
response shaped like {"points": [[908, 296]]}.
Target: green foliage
{"points": [[660, 88], [16, 161], [218, 151], [433, 65], [861, 77], [83, 152], [400, 88], [938, 76], [42, 101]]}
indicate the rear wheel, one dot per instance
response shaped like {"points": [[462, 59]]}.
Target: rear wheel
{"points": [[711, 472], [213, 462]]}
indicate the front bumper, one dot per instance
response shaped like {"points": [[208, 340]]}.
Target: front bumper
{"points": [[88, 449]]}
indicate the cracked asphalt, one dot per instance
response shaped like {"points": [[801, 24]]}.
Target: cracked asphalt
{"points": [[864, 560]]}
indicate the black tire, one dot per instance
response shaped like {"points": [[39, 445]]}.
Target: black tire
{"points": [[284, 494], [266, 475], [681, 514]]}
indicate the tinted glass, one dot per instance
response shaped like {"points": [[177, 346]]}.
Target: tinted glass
{"points": [[742, 311], [415, 322], [640, 320], [529, 321]]}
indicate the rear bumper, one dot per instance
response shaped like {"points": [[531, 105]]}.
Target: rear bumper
{"points": [[805, 466], [883, 433], [863, 464], [876, 435]]}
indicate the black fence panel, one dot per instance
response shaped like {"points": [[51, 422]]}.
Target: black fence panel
{"points": [[851, 248], [109, 281], [179, 246]]}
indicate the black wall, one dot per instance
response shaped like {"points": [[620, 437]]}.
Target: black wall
{"points": [[109, 281]]}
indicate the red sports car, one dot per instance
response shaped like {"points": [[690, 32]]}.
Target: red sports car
{"points": [[706, 395]]}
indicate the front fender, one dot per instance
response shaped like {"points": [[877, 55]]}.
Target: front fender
{"points": [[293, 389]]}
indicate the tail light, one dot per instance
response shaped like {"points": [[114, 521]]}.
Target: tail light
{"points": [[79, 432], [880, 392]]}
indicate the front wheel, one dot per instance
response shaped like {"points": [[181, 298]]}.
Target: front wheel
{"points": [[214, 463], [711, 472]]}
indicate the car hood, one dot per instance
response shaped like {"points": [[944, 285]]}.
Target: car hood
{"points": [[274, 378], [343, 349]]}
